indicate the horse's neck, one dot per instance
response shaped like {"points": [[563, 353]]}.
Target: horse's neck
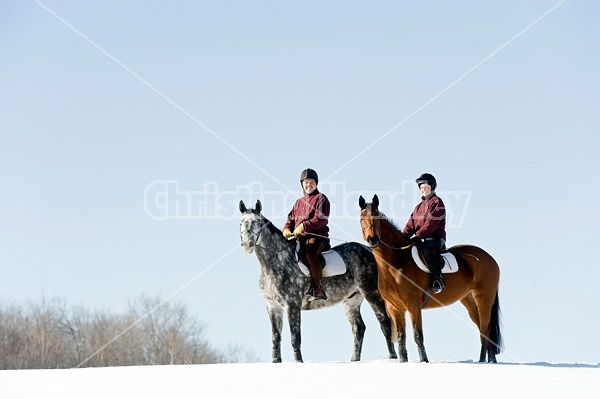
{"points": [[271, 238], [394, 241], [273, 251], [393, 235]]}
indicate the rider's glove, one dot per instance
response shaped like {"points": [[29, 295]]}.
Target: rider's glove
{"points": [[287, 233], [299, 230]]}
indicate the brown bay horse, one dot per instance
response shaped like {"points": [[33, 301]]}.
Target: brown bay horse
{"points": [[404, 285]]}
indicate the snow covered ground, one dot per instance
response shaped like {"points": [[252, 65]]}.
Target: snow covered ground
{"points": [[375, 379]]}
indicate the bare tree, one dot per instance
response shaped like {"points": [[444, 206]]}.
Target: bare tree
{"points": [[48, 334]]}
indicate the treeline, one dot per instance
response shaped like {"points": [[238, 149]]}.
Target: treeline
{"points": [[48, 334]]}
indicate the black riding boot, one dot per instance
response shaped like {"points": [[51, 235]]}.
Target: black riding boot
{"points": [[435, 263]]}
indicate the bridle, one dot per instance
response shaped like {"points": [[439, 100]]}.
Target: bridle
{"points": [[252, 233], [378, 234], [377, 230], [396, 248]]}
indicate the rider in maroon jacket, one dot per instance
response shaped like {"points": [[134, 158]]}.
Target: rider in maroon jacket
{"points": [[307, 222], [428, 224]]}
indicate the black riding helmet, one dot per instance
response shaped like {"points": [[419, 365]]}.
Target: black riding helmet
{"points": [[309, 174], [427, 178]]}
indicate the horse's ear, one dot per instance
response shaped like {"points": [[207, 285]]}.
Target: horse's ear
{"points": [[258, 206], [375, 201], [242, 206], [362, 203]]}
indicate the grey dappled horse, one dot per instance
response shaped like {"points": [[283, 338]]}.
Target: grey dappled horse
{"points": [[284, 286]]}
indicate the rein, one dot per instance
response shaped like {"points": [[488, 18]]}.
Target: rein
{"points": [[395, 248], [378, 232], [331, 238], [271, 249], [266, 248], [255, 242]]}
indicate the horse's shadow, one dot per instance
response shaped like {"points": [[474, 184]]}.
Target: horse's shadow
{"points": [[543, 364]]}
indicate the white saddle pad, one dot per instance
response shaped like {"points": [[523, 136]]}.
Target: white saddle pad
{"points": [[334, 264], [450, 263]]}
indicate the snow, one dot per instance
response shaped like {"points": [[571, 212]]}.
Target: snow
{"points": [[374, 379]]}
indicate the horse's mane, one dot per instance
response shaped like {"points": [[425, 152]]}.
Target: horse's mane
{"points": [[390, 221], [392, 224], [270, 226]]}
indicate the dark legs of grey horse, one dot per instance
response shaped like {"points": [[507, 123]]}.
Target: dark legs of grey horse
{"points": [[294, 320], [352, 307], [276, 317], [378, 306]]}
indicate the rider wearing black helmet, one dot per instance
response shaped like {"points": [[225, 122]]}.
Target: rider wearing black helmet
{"points": [[428, 223], [307, 221]]}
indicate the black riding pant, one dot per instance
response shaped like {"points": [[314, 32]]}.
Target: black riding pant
{"points": [[431, 251]]}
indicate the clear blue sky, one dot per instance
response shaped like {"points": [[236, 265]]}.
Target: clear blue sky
{"points": [[99, 100]]}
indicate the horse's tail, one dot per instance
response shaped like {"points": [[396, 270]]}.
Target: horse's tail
{"points": [[495, 334]]}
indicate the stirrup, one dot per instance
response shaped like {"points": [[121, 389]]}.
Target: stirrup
{"points": [[311, 295], [438, 285]]}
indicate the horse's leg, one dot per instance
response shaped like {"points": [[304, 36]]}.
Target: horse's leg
{"points": [[276, 317], [352, 307], [494, 333], [417, 323], [484, 320], [469, 303], [294, 321], [399, 321], [489, 317], [378, 305]]}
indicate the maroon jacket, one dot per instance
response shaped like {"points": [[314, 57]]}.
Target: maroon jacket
{"points": [[428, 219], [313, 211]]}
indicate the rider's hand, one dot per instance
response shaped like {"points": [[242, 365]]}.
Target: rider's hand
{"points": [[299, 230], [414, 240], [287, 233]]}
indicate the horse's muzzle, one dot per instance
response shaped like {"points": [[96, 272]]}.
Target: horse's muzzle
{"points": [[373, 241], [248, 247]]}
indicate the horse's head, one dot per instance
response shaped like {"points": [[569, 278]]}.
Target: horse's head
{"points": [[251, 226], [370, 220]]}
